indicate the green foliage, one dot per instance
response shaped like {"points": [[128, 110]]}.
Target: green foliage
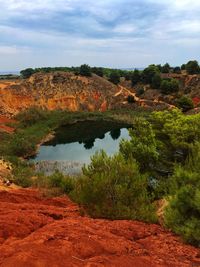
{"points": [[177, 70], [98, 71], [148, 74], [27, 73], [22, 172], [85, 70], [21, 146], [31, 116], [114, 77], [183, 212], [165, 68], [176, 134], [183, 66], [64, 183], [192, 67], [156, 81], [142, 146], [112, 187], [135, 77], [185, 103], [169, 86]]}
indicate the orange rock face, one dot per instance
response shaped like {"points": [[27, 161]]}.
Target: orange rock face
{"points": [[50, 232], [58, 90]]}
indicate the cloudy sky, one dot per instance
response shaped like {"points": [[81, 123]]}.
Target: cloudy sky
{"points": [[113, 33]]}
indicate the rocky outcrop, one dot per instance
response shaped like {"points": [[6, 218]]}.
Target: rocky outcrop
{"points": [[60, 90], [38, 231]]}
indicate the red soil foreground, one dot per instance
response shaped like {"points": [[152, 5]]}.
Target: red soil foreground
{"points": [[35, 231]]}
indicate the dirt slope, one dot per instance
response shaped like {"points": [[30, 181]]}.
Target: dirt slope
{"points": [[60, 90], [50, 232]]}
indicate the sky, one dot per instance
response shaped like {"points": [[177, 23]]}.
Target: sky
{"points": [[108, 33]]}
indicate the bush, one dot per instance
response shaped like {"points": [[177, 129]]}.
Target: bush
{"points": [[135, 77], [85, 70], [142, 146], [183, 212], [131, 99], [27, 73], [21, 146], [149, 73], [185, 103], [169, 86], [114, 77], [113, 188], [192, 67], [31, 116], [64, 183], [156, 81], [22, 172], [165, 68]]}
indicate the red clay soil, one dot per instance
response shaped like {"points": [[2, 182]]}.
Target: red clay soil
{"points": [[3, 127], [35, 231]]}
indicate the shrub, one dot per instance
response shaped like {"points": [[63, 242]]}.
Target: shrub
{"points": [[156, 81], [183, 212], [85, 70], [169, 86], [135, 77], [64, 183], [165, 68], [142, 146], [131, 99], [192, 67], [185, 103], [114, 77], [27, 73], [113, 188], [148, 74], [22, 172], [31, 116]]}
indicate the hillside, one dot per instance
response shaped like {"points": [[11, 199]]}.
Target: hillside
{"points": [[60, 90], [64, 90], [38, 231]]}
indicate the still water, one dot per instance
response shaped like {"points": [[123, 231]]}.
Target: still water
{"points": [[73, 145]]}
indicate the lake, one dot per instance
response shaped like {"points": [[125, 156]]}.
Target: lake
{"points": [[73, 145]]}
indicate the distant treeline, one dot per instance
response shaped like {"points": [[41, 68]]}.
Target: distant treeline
{"points": [[150, 75], [8, 76]]}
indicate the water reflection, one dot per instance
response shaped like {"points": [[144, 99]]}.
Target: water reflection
{"points": [[74, 145], [115, 134]]}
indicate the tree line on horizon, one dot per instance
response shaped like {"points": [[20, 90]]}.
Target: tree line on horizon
{"points": [[192, 67]]}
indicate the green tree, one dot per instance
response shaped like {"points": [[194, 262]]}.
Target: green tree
{"points": [[113, 188], [85, 70], [148, 74], [27, 73], [165, 68], [98, 71], [114, 77], [192, 67], [185, 103], [135, 77], [169, 86], [142, 146], [156, 81], [183, 212], [183, 67], [177, 70]]}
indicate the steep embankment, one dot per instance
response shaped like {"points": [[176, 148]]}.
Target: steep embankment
{"points": [[189, 85], [60, 90], [50, 232]]}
